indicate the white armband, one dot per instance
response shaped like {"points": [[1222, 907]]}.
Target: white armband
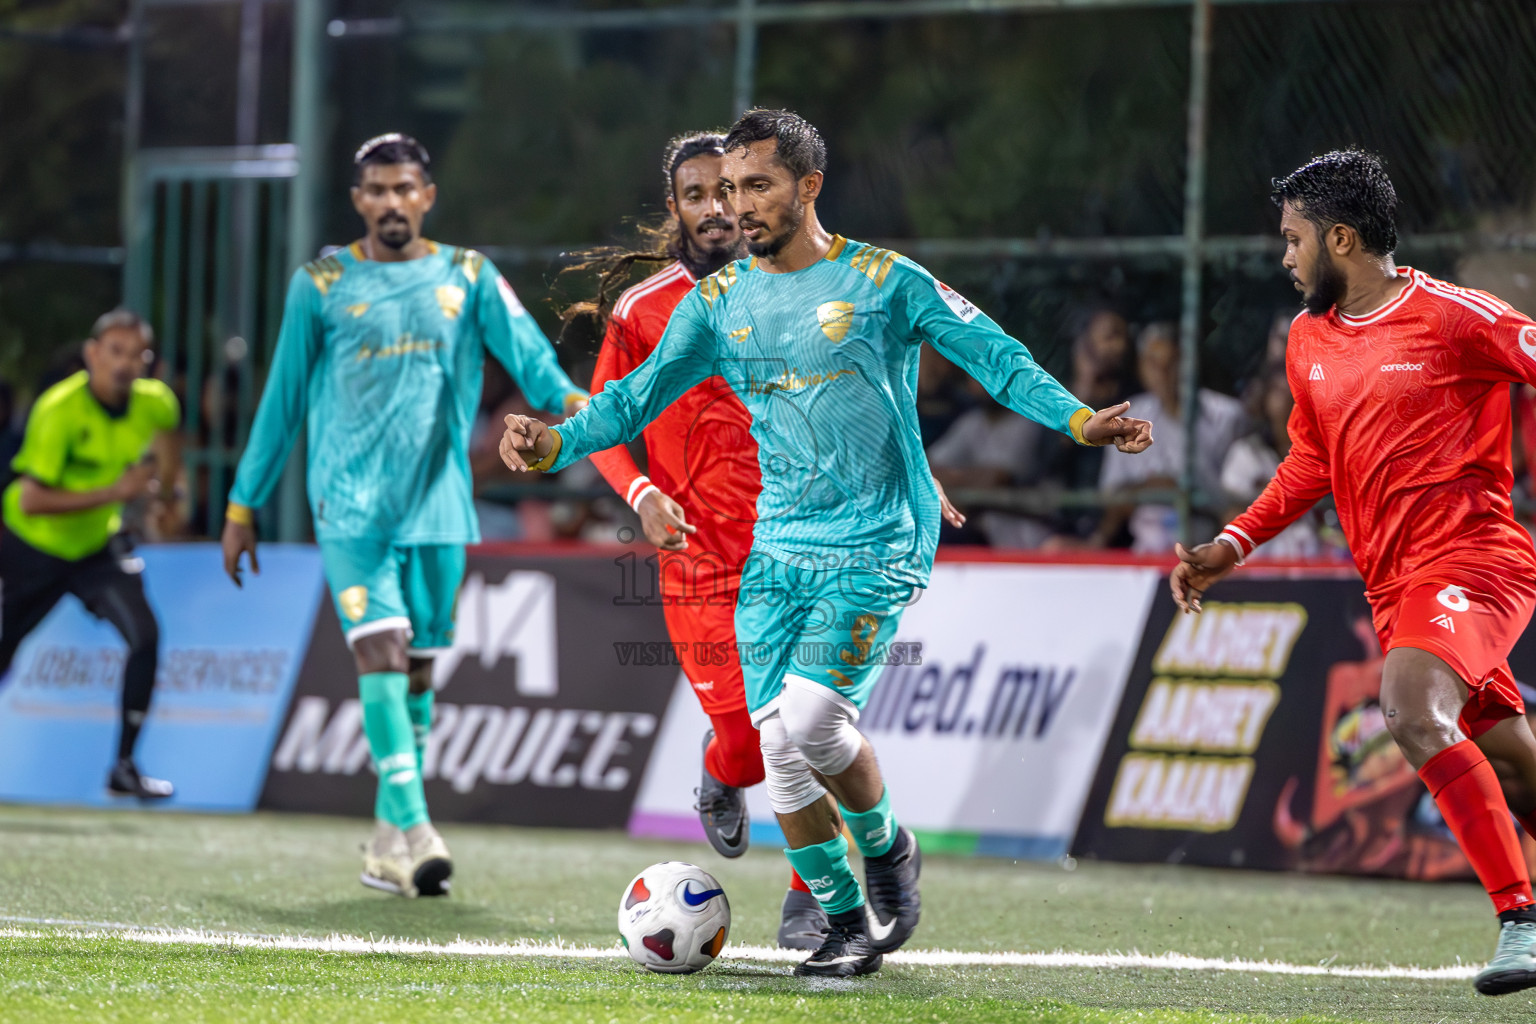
{"points": [[638, 490]]}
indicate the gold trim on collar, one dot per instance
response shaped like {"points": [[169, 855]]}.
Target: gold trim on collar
{"points": [[839, 243]]}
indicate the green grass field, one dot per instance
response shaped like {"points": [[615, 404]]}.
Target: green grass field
{"points": [[71, 882]]}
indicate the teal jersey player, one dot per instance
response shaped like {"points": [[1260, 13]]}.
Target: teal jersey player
{"points": [[380, 354], [825, 359], [819, 338], [383, 361]]}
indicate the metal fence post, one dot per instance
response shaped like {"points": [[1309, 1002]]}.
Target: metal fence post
{"points": [[1194, 256], [305, 119], [135, 221], [746, 55]]}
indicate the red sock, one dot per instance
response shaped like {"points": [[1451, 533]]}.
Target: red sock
{"points": [[797, 883], [734, 756], [1467, 792]]}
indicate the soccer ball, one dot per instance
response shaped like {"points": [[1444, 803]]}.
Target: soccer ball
{"points": [[674, 918]]}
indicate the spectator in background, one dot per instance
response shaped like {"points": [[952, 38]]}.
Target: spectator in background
{"points": [[1154, 527], [498, 397], [1274, 345], [1252, 460], [992, 446], [1101, 343], [940, 398]]}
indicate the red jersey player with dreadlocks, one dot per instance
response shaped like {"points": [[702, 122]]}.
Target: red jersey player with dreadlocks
{"points": [[697, 502], [698, 499], [1402, 386]]}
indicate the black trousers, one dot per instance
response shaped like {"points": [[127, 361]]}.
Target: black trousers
{"points": [[109, 585]]}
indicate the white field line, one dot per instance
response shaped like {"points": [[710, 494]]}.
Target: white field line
{"points": [[561, 950]]}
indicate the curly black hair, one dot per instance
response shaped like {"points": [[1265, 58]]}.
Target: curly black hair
{"points": [[799, 143], [1346, 186]]}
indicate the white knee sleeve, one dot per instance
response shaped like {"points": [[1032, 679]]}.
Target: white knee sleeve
{"points": [[819, 723], [791, 786]]}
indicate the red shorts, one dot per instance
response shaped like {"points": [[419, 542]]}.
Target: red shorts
{"points": [[1469, 617], [706, 633]]}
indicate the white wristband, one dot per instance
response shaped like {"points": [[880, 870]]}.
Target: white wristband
{"points": [[634, 487], [647, 489], [1227, 538]]}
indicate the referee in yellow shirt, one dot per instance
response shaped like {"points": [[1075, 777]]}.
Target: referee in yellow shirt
{"points": [[83, 456]]}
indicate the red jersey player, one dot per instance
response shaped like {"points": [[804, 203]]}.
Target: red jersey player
{"points": [[1403, 412], [698, 502]]}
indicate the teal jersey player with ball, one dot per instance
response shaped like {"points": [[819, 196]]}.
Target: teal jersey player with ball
{"points": [[380, 353], [819, 337]]}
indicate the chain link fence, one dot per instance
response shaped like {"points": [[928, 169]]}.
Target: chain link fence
{"points": [[1035, 156]]}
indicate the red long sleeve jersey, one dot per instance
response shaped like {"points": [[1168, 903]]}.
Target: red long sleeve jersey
{"points": [[701, 450], [1404, 415]]}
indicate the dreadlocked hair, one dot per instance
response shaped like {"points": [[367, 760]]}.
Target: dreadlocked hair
{"points": [[584, 322], [659, 242]]}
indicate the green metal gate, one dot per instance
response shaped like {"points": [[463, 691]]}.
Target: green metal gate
{"points": [[207, 263]]}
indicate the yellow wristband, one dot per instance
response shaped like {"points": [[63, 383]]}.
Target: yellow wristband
{"points": [[1075, 425], [548, 460], [240, 514]]}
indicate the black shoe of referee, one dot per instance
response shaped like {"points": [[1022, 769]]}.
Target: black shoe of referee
{"points": [[125, 780]]}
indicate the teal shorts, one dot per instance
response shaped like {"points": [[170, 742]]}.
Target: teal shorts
{"points": [[826, 627], [379, 586]]}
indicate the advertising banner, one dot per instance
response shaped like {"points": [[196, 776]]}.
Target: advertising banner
{"points": [[990, 740], [548, 702], [1252, 735], [228, 659]]}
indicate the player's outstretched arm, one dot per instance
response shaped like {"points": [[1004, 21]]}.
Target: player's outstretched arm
{"points": [[1112, 426], [284, 400], [511, 334], [1197, 570]]}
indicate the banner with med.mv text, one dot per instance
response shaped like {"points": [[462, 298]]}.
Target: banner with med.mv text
{"points": [[990, 726]]}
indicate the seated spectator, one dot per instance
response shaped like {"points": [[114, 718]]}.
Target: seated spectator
{"points": [[1251, 463], [991, 446], [1100, 345], [940, 400], [1154, 527]]}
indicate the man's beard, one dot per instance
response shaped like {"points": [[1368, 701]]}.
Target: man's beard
{"points": [[771, 247], [703, 260], [395, 232], [1327, 287]]}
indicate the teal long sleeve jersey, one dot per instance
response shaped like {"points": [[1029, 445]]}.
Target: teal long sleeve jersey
{"points": [[383, 363], [825, 359]]}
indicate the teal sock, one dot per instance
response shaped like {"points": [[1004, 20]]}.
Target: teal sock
{"points": [[873, 830], [387, 725], [419, 707], [826, 871]]}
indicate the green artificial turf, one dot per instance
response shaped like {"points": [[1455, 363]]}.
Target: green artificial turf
{"points": [[297, 876]]}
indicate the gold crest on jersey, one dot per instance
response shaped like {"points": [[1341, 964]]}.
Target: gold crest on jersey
{"points": [[835, 319], [357, 309], [450, 299], [354, 602], [740, 334]]}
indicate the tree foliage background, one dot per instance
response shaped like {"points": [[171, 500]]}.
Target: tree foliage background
{"points": [[1033, 126]]}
